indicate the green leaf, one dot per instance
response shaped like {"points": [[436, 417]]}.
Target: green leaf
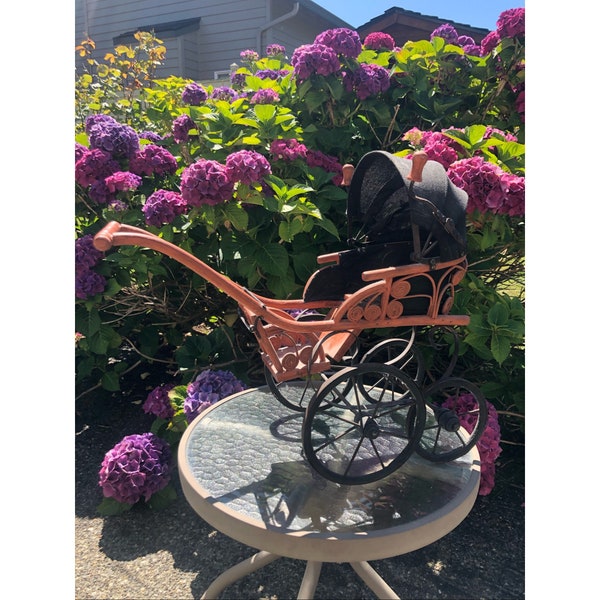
{"points": [[163, 498], [264, 112], [328, 226], [110, 507], [273, 259], [236, 215], [110, 381], [288, 229], [500, 348], [498, 315]]}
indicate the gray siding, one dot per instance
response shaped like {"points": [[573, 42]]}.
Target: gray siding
{"points": [[226, 28]]}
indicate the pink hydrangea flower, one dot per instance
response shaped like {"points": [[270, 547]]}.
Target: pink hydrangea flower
{"points": [[511, 23], [152, 159], [94, 165], [288, 149], [378, 40], [247, 166], [122, 181]]}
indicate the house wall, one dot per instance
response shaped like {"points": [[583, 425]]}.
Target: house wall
{"points": [[226, 28]]}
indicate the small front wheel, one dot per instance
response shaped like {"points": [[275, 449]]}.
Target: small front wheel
{"points": [[363, 423]]}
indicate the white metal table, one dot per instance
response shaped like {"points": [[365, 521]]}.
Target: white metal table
{"points": [[242, 470]]}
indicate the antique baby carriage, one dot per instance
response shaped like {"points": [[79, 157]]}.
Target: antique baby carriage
{"points": [[364, 415]]}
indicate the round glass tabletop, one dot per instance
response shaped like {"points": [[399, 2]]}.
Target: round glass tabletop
{"points": [[242, 469]]}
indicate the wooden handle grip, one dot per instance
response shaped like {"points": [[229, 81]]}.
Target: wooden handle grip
{"points": [[419, 160]]}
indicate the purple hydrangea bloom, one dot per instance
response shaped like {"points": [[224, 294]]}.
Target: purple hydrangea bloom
{"points": [[194, 94], [151, 136], [288, 149], [94, 165], [181, 128], [117, 205], [99, 192], [117, 139], [137, 467], [378, 40], [247, 166], [275, 50], [312, 59], [238, 79], [489, 42], [514, 195], [265, 96], [488, 444], [206, 182], [87, 256], [367, 80], [88, 284], [224, 93], [162, 206], [209, 387], [446, 31], [439, 147], [94, 120], [511, 23], [269, 73], [150, 159], [158, 403], [122, 181], [342, 40]]}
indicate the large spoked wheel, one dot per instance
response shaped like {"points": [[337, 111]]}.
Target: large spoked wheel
{"points": [[363, 423], [456, 419], [400, 353]]}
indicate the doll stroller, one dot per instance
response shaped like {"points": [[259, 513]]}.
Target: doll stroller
{"points": [[365, 413]]}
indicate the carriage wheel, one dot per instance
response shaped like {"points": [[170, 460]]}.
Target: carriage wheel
{"points": [[354, 432], [456, 419], [297, 393], [400, 353]]}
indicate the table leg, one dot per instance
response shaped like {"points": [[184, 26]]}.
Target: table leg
{"points": [[310, 580], [370, 576], [255, 562]]}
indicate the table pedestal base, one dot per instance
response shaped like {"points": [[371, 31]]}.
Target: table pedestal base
{"points": [[309, 582]]}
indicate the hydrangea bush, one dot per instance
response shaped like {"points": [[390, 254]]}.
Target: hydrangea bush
{"points": [[247, 176]]}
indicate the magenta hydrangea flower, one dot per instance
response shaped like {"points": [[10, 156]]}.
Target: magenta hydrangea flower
{"points": [[343, 41], [439, 147], [249, 55], [511, 23], [482, 182], [181, 128], [489, 42], [513, 187], [378, 40], [238, 79], [247, 166], [316, 158], [151, 159], [137, 467], [194, 94], [265, 96], [80, 150], [151, 136], [488, 444], [367, 80], [206, 182], [162, 206], [311, 59], [113, 137], [158, 403], [446, 31], [94, 165], [117, 205], [271, 73], [122, 181], [288, 149], [275, 50], [209, 387]]}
